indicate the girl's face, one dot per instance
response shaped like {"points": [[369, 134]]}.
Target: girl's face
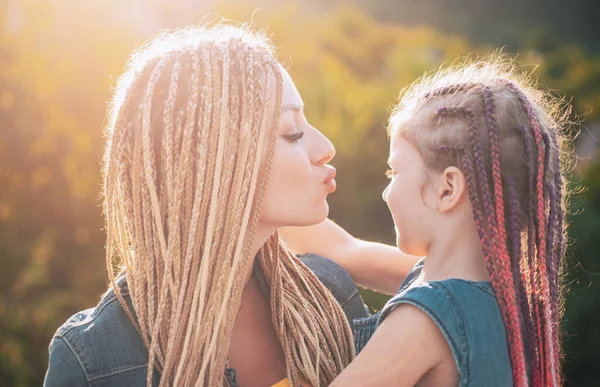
{"points": [[407, 197], [299, 177]]}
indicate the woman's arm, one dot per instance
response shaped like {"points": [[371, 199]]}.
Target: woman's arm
{"points": [[406, 346], [372, 265]]}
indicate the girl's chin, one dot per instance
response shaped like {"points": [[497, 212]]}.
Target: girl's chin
{"points": [[402, 246]]}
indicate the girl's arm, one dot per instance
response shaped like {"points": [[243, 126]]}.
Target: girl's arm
{"points": [[372, 265], [406, 346]]}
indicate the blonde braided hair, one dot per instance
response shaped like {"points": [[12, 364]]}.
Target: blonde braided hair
{"points": [[183, 191]]}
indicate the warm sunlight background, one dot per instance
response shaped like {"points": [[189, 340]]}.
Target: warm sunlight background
{"points": [[59, 59]]}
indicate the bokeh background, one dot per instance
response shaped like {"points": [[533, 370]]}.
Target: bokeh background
{"points": [[349, 59]]}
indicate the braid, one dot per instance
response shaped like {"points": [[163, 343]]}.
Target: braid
{"points": [[550, 237], [554, 235], [519, 279], [550, 349], [559, 238], [116, 163], [319, 338], [229, 290], [504, 259], [169, 170], [558, 186], [480, 219], [534, 286], [154, 230], [559, 224], [143, 159]]}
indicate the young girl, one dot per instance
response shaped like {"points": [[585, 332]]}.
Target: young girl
{"points": [[476, 187]]}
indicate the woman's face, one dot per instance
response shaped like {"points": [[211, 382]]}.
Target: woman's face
{"points": [[299, 178]]}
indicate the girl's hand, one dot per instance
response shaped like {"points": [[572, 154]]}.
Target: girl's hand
{"points": [[372, 265]]}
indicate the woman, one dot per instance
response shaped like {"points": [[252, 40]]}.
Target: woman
{"points": [[208, 154]]}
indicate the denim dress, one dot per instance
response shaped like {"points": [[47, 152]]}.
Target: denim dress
{"points": [[468, 315]]}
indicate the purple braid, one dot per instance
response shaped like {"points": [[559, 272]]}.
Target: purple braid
{"points": [[552, 230], [531, 237], [558, 186], [505, 264], [548, 325], [531, 230], [515, 242], [560, 224], [480, 220], [466, 162]]}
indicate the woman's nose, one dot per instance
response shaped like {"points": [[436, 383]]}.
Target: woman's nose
{"points": [[324, 151], [384, 193]]}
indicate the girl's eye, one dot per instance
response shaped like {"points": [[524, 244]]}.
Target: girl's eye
{"points": [[293, 138], [390, 173]]}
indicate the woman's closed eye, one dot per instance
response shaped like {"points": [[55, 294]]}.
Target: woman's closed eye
{"points": [[293, 138], [390, 173]]}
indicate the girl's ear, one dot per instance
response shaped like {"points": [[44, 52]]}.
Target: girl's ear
{"points": [[452, 189]]}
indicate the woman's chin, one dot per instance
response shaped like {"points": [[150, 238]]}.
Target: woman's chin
{"points": [[313, 217], [324, 212]]}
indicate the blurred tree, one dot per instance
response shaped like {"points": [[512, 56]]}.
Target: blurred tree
{"points": [[58, 61], [581, 338], [54, 83], [47, 231], [500, 23]]}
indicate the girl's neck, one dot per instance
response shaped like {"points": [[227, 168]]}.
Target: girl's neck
{"points": [[456, 253]]}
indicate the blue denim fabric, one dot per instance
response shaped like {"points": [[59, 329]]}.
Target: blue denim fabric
{"points": [[468, 315], [101, 347]]}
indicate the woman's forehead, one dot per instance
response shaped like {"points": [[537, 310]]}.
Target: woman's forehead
{"points": [[291, 96]]}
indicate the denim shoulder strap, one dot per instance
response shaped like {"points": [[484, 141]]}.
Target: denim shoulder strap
{"points": [[434, 299]]}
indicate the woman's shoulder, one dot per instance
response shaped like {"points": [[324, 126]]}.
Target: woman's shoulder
{"points": [[340, 284], [99, 343]]}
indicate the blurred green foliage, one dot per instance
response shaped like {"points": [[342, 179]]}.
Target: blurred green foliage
{"points": [[58, 61]]}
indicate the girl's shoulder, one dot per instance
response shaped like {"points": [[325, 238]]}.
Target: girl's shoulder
{"points": [[468, 315]]}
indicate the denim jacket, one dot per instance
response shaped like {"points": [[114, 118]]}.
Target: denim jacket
{"points": [[101, 347]]}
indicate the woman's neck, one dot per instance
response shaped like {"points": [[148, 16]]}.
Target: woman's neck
{"points": [[260, 237]]}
